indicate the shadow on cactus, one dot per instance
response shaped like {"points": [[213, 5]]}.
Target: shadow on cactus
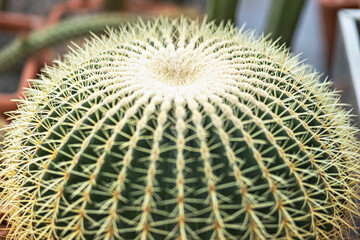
{"points": [[177, 129]]}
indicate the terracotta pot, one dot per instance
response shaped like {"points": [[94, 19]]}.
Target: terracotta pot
{"points": [[329, 10], [19, 23], [72, 6], [160, 8], [16, 22], [165, 8], [30, 70]]}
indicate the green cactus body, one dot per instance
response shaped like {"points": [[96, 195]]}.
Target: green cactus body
{"points": [[172, 129]]}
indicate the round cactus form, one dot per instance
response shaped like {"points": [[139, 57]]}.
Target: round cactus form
{"points": [[178, 129]]}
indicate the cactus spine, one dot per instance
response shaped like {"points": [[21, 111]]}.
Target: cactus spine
{"points": [[172, 129]]}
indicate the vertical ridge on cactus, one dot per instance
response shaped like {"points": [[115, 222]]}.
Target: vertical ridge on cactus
{"points": [[176, 129]]}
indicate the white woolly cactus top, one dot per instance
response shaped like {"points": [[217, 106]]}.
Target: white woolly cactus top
{"points": [[177, 129]]}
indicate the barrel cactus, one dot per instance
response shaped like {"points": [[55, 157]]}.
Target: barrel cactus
{"points": [[178, 129]]}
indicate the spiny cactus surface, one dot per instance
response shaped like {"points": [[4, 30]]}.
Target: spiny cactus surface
{"points": [[176, 129]]}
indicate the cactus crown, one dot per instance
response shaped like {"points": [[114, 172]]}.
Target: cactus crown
{"points": [[175, 129]]}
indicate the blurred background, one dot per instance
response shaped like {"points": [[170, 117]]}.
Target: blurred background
{"points": [[308, 39], [34, 32]]}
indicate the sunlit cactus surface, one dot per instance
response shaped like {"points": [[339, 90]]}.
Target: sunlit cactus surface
{"points": [[178, 129]]}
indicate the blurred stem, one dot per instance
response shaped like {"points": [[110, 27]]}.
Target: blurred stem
{"points": [[221, 10], [283, 18], [3, 5], [114, 5], [67, 29]]}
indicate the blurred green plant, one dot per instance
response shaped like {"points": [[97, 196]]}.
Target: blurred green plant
{"points": [[280, 24], [114, 5], [221, 10], [65, 30], [282, 19], [3, 5]]}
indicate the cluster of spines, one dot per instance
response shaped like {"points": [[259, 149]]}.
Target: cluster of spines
{"points": [[302, 91]]}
